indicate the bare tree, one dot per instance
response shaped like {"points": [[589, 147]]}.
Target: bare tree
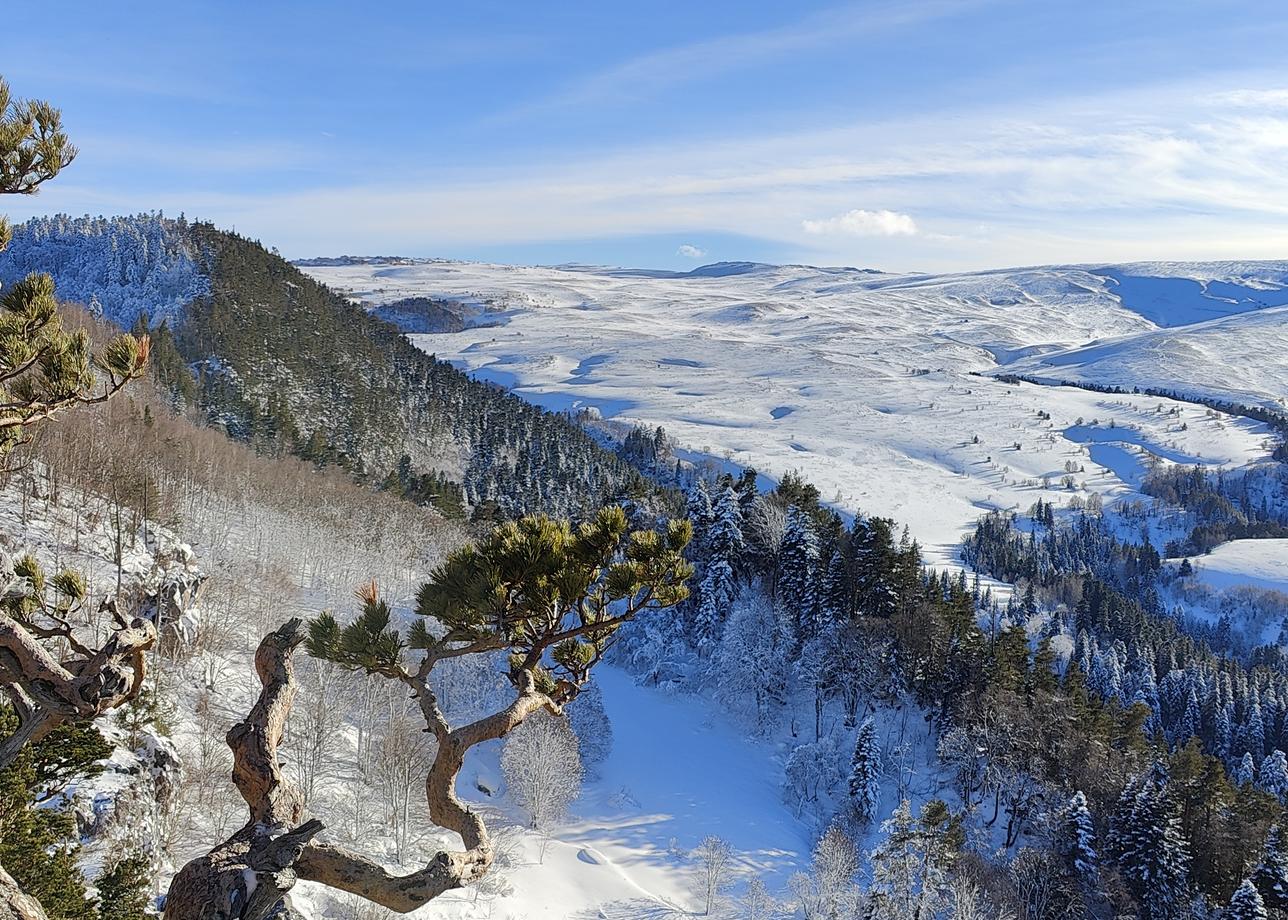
{"points": [[757, 903], [542, 770], [715, 870], [551, 597], [403, 754], [314, 728]]}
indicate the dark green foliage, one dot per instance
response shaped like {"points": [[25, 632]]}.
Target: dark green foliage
{"points": [[551, 594], [123, 889], [38, 845], [433, 489], [168, 365], [287, 364]]}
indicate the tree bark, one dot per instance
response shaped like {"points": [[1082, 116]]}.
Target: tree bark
{"points": [[247, 875], [14, 905], [47, 692]]}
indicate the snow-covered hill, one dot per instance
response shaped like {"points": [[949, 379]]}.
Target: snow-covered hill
{"points": [[863, 380]]}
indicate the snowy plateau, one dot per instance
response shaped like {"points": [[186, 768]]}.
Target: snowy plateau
{"points": [[880, 388]]}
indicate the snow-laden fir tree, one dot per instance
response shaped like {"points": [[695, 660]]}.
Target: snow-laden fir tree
{"points": [[865, 782], [1271, 873], [1246, 773], [700, 512], [1150, 848], [798, 573], [834, 601], [1273, 774], [1246, 903], [724, 544], [1076, 833]]}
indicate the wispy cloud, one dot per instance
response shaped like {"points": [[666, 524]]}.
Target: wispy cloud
{"points": [[689, 251], [652, 73], [859, 222], [1163, 172]]}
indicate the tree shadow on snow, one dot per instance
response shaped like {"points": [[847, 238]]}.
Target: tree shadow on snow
{"points": [[635, 909]]}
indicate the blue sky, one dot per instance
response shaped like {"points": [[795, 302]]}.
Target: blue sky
{"points": [[901, 135]]}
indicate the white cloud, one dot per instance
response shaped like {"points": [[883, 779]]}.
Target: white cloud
{"points": [[689, 251], [859, 222]]}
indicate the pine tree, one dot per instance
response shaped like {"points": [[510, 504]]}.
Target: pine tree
{"points": [[1077, 835], [798, 571], [865, 785], [1271, 873], [1246, 903], [1151, 850], [44, 367], [1273, 775]]}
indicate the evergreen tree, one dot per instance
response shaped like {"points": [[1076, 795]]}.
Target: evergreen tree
{"points": [[44, 367], [1273, 775], [1246, 774], [865, 784], [1077, 835], [724, 544], [909, 881], [123, 890], [1246, 904], [1151, 850], [1271, 873], [798, 572]]}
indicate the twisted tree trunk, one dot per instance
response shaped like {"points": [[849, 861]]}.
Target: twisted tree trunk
{"points": [[245, 877]]}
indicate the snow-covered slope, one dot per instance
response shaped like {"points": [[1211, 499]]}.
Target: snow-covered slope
{"points": [[860, 379], [1243, 357]]}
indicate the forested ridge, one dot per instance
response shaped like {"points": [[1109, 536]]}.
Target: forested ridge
{"points": [[285, 364]]}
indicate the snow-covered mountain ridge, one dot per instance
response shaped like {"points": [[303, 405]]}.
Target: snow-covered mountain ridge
{"points": [[868, 382]]}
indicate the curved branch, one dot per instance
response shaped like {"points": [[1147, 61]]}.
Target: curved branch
{"points": [[78, 689]]}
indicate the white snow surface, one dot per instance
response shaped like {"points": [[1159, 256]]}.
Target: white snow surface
{"points": [[863, 380], [1255, 563]]}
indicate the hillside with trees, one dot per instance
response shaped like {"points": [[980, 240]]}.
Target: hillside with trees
{"points": [[282, 363]]}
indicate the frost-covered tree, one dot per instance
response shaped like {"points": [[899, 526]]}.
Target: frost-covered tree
{"points": [[757, 903], [1271, 872], [590, 723], [1076, 838], [724, 545], [749, 669], [542, 769], [798, 573], [834, 867], [700, 513], [1273, 775], [812, 771], [1246, 903], [1151, 850], [714, 857], [549, 596], [1246, 773], [908, 881], [865, 772]]}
